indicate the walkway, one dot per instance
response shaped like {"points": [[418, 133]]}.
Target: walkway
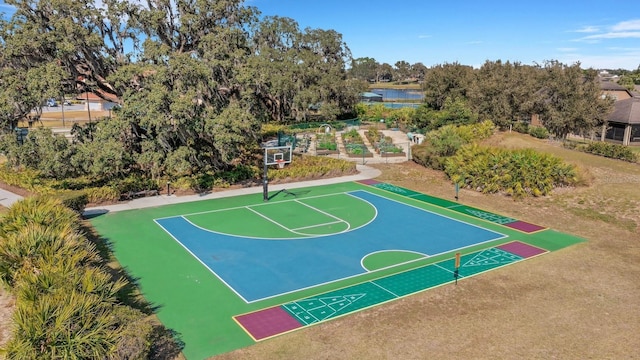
{"points": [[7, 198], [365, 172]]}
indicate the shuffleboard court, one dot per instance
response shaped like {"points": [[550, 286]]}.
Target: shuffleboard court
{"points": [[227, 272]]}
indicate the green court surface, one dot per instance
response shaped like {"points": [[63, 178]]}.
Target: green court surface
{"points": [[205, 308]]}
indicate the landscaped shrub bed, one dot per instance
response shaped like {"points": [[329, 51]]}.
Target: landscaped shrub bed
{"points": [[445, 141], [312, 167], [515, 172], [68, 303]]}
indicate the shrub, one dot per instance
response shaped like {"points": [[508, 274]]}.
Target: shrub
{"points": [[614, 151], [539, 132], [75, 200], [102, 194], [516, 172], [521, 127], [307, 167]]}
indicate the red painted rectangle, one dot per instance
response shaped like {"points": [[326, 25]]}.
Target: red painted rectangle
{"points": [[521, 249], [268, 322], [525, 226]]}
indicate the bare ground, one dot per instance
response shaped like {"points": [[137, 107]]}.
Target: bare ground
{"points": [[582, 302]]}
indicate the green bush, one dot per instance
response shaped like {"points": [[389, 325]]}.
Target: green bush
{"points": [[614, 151], [134, 183], [75, 200], [518, 172], [68, 305], [539, 132], [97, 195], [521, 127], [427, 156]]}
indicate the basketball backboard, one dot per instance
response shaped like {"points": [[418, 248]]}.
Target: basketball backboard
{"points": [[275, 154]]}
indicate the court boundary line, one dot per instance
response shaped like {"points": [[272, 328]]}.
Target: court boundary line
{"points": [[201, 262], [386, 301], [413, 197], [255, 205], [424, 256], [247, 207], [503, 236], [433, 212]]}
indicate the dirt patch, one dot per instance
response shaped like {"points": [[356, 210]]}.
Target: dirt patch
{"points": [[7, 303]]}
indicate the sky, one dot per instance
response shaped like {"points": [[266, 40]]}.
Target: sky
{"points": [[598, 34]]}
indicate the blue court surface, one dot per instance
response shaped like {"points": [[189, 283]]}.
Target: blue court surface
{"points": [[259, 268]]}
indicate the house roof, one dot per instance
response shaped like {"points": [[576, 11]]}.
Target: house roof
{"points": [[611, 86], [92, 96], [626, 111]]}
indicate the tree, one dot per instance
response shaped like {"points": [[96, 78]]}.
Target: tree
{"points": [[572, 100], [56, 46], [385, 72], [364, 68], [418, 71], [402, 70], [446, 81], [504, 92]]}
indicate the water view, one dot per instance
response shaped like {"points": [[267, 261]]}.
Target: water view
{"points": [[399, 94]]}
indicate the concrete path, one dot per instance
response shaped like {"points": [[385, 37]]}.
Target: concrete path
{"points": [[365, 172], [8, 198]]}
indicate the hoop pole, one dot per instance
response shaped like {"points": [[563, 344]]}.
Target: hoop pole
{"points": [[265, 181]]}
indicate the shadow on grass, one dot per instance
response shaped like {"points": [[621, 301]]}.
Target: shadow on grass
{"points": [[166, 343]]}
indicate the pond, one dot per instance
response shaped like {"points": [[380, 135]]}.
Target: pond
{"points": [[398, 94]]}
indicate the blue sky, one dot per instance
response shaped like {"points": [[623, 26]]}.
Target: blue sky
{"points": [[598, 34]]}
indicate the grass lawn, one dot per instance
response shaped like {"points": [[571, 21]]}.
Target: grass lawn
{"points": [[579, 302]]}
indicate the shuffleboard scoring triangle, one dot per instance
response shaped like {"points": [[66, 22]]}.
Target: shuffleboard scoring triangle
{"points": [[491, 256]]}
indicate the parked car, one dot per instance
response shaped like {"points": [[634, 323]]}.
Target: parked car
{"points": [[52, 102]]}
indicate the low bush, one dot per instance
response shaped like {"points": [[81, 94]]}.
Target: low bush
{"points": [[614, 151], [521, 127], [68, 304], [312, 167], [517, 173], [539, 132], [75, 200]]}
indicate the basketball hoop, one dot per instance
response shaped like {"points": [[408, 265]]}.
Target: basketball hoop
{"points": [[280, 164]]}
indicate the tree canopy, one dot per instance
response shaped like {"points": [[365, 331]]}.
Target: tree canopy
{"points": [[195, 79]]}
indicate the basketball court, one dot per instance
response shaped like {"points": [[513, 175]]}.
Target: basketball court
{"points": [[228, 272]]}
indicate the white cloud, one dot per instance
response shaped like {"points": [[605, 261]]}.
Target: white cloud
{"points": [[424, 36], [614, 35], [629, 25], [588, 29], [615, 58]]}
